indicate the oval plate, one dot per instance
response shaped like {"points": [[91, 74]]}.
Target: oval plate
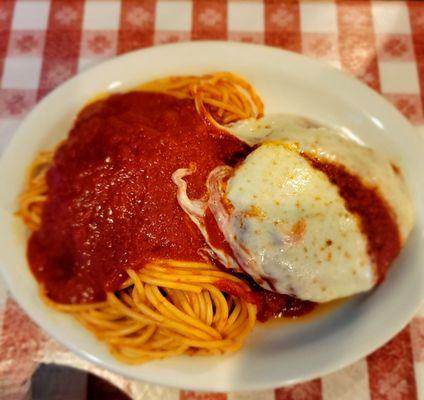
{"points": [[290, 83]]}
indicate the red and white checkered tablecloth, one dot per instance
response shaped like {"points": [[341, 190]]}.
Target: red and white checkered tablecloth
{"points": [[43, 43]]}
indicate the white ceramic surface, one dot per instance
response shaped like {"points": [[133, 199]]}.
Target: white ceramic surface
{"points": [[273, 356]]}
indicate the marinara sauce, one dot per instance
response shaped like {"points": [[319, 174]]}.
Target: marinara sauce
{"points": [[111, 202]]}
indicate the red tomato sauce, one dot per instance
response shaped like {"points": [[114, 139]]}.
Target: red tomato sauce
{"points": [[269, 304], [216, 237], [111, 202]]}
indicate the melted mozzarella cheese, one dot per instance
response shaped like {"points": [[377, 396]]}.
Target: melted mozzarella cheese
{"points": [[286, 223], [327, 144], [300, 238]]}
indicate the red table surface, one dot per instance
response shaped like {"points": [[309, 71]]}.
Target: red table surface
{"points": [[43, 43]]}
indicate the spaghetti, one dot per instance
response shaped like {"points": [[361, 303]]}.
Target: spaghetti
{"points": [[168, 307], [221, 97], [35, 194]]}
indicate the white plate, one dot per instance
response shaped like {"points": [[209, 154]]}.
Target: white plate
{"points": [[288, 83]]}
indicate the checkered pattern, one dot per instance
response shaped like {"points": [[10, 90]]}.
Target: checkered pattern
{"points": [[43, 43]]}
